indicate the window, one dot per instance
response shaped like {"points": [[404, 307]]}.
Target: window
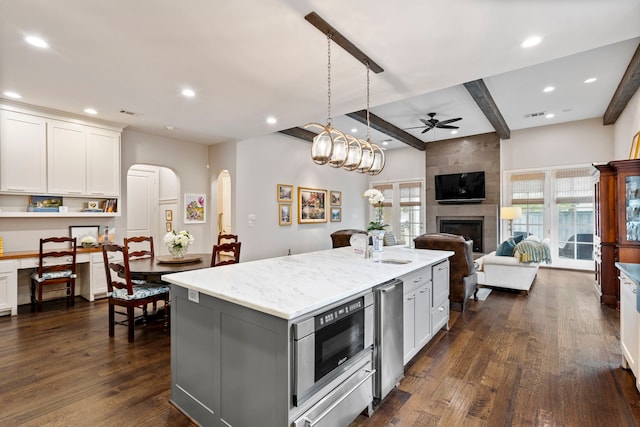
{"points": [[559, 201], [403, 209]]}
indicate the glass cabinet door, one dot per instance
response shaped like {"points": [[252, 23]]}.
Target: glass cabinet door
{"points": [[632, 205]]}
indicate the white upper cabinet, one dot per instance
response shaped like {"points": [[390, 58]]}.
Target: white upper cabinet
{"points": [[67, 153], [103, 162], [23, 153]]}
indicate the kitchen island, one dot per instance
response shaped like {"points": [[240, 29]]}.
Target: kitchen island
{"points": [[233, 361]]}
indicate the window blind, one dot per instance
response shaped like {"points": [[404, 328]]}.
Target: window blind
{"points": [[574, 186], [527, 188]]}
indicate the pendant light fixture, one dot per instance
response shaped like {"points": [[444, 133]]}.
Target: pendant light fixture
{"points": [[330, 145]]}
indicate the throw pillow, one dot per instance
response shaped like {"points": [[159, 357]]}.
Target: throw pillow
{"points": [[389, 239], [506, 248], [517, 238]]}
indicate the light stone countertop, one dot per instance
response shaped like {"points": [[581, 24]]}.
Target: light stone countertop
{"points": [[291, 286]]}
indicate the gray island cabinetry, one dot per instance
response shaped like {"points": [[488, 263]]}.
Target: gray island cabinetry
{"points": [[286, 341]]}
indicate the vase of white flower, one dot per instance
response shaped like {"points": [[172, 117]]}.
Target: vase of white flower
{"points": [[178, 243], [375, 199]]}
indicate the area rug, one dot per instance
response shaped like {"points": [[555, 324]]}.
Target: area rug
{"points": [[483, 293]]}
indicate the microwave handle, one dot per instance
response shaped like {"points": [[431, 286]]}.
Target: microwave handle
{"points": [[312, 423]]}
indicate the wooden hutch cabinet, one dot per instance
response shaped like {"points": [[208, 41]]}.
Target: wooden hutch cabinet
{"points": [[617, 205]]}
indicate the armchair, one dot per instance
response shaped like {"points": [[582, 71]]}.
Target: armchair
{"points": [[341, 238], [463, 279]]}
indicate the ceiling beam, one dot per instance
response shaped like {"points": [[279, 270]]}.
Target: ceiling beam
{"points": [[480, 93], [626, 89], [326, 29], [388, 129], [301, 133]]}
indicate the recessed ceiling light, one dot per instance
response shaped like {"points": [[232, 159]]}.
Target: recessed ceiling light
{"points": [[590, 80], [453, 132], [188, 93], [550, 116], [385, 143], [548, 89], [90, 111], [271, 120], [169, 127], [531, 41], [14, 95], [36, 41], [354, 130]]}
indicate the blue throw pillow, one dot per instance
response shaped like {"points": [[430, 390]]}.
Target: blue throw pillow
{"points": [[506, 248], [517, 238]]}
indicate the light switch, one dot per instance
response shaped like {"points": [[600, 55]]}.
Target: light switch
{"points": [[194, 296], [252, 217]]}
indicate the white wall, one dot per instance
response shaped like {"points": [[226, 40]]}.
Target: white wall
{"points": [[189, 162], [627, 125], [266, 161], [405, 163], [580, 142]]}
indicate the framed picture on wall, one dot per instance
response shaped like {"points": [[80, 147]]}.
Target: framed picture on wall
{"points": [[194, 208], [284, 214], [168, 215], [336, 214], [79, 232], [285, 193], [312, 205], [336, 198]]}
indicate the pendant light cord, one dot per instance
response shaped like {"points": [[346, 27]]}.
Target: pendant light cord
{"points": [[329, 78], [368, 121]]}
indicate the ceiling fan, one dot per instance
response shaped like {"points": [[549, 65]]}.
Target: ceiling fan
{"points": [[435, 123]]}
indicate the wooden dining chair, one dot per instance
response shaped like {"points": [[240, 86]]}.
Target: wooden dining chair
{"points": [[56, 269], [232, 238], [137, 248], [123, 293], [226, 253]]}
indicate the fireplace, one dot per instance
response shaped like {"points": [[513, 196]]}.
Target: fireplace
{"points": [[468, 228]]}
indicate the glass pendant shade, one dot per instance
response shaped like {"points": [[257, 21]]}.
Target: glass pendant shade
{"points": [[367, 157], [325, 143], [378, 161], [354, 153], [340, 149]]}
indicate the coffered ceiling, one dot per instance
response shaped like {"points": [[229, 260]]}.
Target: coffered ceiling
{"points": [[250, 60]]}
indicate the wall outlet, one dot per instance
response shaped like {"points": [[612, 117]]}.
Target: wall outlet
{"points": [[194, 296]]}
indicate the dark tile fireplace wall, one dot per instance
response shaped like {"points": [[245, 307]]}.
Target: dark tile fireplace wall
{"points": [[468, 154], [470, 229]]}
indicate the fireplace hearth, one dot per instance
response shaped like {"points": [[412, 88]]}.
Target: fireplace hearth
{"points": [[468, 228]]}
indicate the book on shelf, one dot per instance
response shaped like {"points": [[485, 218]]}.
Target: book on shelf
{"points": [[110, 205]]}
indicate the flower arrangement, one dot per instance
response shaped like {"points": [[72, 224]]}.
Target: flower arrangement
{"points": [[88, 241], [178, 242], [375, 199]]}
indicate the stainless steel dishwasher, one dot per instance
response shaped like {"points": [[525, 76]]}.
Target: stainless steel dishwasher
{"points": [[388, 345]]}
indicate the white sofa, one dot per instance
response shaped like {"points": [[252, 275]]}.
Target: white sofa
{"points": [[506, 272]]}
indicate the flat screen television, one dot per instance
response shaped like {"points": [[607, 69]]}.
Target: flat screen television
{"points": [[466, 187]]}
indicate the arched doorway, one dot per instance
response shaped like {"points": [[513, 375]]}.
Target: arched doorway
{"points": [[224, 203], [152, 203]]}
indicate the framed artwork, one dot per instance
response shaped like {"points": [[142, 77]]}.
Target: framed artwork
{"points": [[635, 147], [336, 214], [194, 208], [284, 214], [168, 226], [168, 215], [285, 193], [336, 198], [312, 205], [83, 231]]}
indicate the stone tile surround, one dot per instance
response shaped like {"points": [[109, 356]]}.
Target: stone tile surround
{"points": [[468, 154]]}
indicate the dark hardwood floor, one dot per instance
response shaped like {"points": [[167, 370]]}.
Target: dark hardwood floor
{"points": [[551, 358]]}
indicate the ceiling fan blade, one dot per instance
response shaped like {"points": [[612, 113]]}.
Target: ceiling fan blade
{"points": [[448, 127], [446, 122], [417, 127], [426, 130], [426, 122]]}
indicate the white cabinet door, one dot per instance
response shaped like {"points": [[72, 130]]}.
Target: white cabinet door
{"points": [[103, 162], [8, 287], [408, 327], [628, 324], [67, 159], [423, 316], [23, 153]]}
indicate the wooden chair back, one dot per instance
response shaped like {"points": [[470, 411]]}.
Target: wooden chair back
{"points": [[226, 253], [56, 266], [137, 248], [116, 266], [232, 238]]}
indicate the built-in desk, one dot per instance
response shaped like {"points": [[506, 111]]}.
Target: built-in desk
{"points": [[16, 269]]}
